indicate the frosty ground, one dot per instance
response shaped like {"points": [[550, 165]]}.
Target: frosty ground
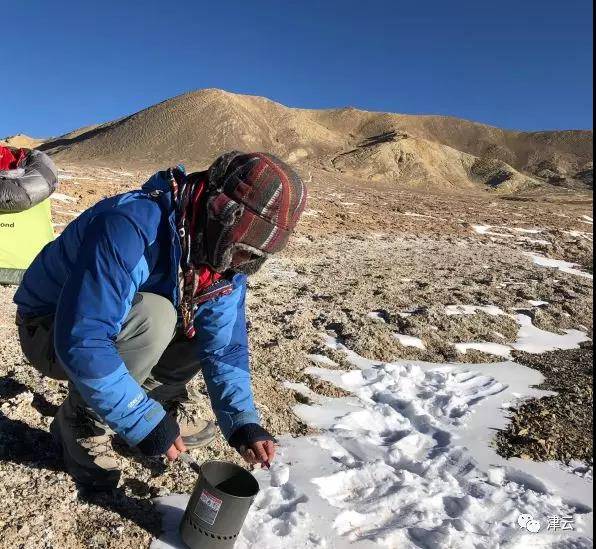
{"points": [[400, 463], [383, 352]]}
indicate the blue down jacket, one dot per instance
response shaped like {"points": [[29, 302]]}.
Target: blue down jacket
{"points": [[88, 277]]}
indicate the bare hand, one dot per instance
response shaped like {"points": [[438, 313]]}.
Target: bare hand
{"points": [[261, 452], [175, 449]]}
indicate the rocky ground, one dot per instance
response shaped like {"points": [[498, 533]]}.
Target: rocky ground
{"points": [[367, 262], [557, 427]]}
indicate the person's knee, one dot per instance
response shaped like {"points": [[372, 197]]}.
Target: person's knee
{"points": [[152, 318]]}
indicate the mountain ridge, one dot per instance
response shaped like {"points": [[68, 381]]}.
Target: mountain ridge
{"points": [[197, 126]]}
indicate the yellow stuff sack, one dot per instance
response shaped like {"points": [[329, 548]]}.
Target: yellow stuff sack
{"points": [[22, 236]]}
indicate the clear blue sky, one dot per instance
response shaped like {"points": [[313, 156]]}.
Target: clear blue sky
{"points": [[524, 64]]}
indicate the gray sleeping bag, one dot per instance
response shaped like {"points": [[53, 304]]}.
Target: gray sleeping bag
{"points": [[32, 182]]}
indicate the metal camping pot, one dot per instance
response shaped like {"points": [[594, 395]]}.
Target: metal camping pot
{"points": [[218, 506]]}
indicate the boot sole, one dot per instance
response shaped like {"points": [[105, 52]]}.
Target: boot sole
{"points": [[86, 479]]}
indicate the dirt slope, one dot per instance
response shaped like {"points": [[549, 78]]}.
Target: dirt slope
{"points": [[21, 140], [413, 151]]}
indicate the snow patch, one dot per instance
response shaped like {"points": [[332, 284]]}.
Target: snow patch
{"points": [[410, 341], [406, 461], [530, 339], [62, 197], [580, 234], [172, 509], [69, 213], [563, 266], [534, 340], [496, 349], [486, 230], [413, 214], [526, 231], [322, 359], [278, 270], [118, 172], [523, 239], [376, 315], [492, 310]]}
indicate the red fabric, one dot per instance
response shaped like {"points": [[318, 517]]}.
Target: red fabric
{"points": [[11, 158], [204, 274], [206, 277], [195, 279]]}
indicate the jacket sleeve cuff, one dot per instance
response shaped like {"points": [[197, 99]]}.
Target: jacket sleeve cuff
{"points": [[228, 423], [249, 434], [159, 440]]}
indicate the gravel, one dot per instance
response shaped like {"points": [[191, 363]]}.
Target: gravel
{"points": [[343, 263]]}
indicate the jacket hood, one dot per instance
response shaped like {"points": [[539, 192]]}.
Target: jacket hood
{"points": [[157, 182]]}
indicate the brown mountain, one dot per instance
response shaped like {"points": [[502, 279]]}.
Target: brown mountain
{"points": [[21, 140], [411, 150]]}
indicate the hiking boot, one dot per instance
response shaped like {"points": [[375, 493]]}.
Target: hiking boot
{"points": [[195, 431], [85, 448]]}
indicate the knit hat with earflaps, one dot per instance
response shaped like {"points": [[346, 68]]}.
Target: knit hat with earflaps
{"points": [[254, 202]]}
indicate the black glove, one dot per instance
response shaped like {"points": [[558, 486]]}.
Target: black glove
{"points": [[248, 434], [158, 441]]}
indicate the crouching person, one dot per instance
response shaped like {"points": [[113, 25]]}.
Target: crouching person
{"points": [[144, 290]]}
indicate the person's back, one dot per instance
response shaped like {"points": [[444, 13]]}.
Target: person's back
{"points": [[42, 284]]}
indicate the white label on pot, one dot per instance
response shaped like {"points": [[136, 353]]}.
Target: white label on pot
{"points": [[208, 507]]}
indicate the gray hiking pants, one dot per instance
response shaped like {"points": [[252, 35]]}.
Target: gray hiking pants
{"points": [[161, 363]]}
